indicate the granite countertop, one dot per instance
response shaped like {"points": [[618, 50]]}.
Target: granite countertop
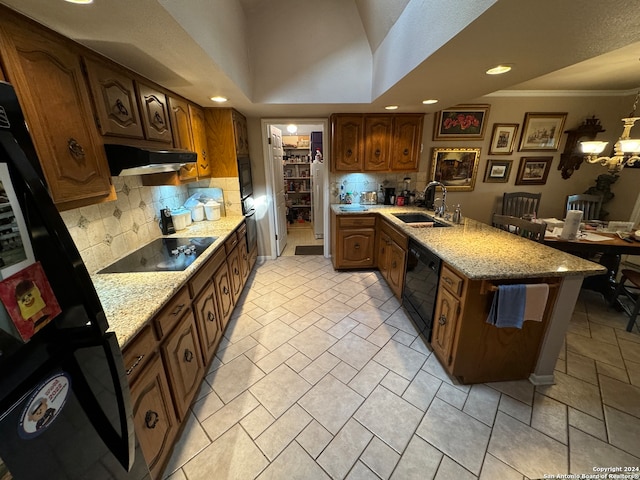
{"points": [[482, 252], [129, 300]]}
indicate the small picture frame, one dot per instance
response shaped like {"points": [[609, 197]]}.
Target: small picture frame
{"points": [[498, 171], [503, 138], [533, 170], [455, 168], [461, 122], [542, 131]]}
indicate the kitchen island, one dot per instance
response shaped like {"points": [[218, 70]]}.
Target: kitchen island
{"points": [[477, 259]]}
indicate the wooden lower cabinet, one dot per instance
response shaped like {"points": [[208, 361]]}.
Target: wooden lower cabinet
{"points": [[355, 237], [222, 285], [154, 417], [235, 273], [474, 351], [183, 360], [205, 307], [392, 256]]}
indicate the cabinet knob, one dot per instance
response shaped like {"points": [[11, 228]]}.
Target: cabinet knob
{"points": [[356, 246], [122, 110], [225, 290], [377, 152], [211, 317], [405, 152], [443, 319], [236, 271], [349, 152], [151, 419], [157, 118], [75, 148], [188, 355]]}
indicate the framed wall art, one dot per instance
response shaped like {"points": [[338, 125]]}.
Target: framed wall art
{"points": [[503, 138], [533, 170], [542, 131], [461, 122], [498, 171], [455, 168]]}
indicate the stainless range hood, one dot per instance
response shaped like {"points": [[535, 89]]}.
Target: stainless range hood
{"points": [[129, 160]]}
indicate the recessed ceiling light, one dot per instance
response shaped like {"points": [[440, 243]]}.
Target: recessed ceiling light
{"points": [[430, 101], [292, 128], [80, 2], [391, 107], [219, 99], [498, 70]]}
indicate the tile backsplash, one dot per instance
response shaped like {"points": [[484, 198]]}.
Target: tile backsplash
{"points": [[107, 231], [356, 183]]}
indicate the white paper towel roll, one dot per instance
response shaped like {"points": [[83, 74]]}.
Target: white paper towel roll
{"points": [[571, 225]]}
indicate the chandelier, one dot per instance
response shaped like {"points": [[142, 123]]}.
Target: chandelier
{"points": [[626, 149]]}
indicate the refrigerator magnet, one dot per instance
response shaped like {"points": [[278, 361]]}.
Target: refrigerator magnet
{"points": [[44, 405], [29, 300]]}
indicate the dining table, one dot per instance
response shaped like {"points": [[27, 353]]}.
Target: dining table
{"points": [[602, 247]]}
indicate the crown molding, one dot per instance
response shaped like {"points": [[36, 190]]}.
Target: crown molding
{"points": [[561, 93]]}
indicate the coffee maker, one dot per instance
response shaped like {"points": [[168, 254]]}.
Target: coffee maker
{"points": [[389, 196], [166, 222]]}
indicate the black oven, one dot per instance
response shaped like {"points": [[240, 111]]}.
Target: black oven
{"points": [[244, 174], [249, 212], [421, 287]]}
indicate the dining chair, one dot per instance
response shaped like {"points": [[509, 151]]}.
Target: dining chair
{"points": [[519, 226], [628, 287], [518, 204], [589, 204]]}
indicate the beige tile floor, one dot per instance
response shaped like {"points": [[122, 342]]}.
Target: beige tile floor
{"points": [[320, 375]]}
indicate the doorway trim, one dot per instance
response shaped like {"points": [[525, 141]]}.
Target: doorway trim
{"points": [[265, 123]]}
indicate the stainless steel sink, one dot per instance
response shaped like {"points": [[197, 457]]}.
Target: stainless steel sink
{"points": [[419, 218]]}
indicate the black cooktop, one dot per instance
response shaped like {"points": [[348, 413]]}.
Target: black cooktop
{"points": [[162, 255]]}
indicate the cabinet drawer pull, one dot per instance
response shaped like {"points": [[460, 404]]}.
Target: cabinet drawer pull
{"points": [[447, 280], [188, 355], [178, 309], [151, 419], [211, 317], [443, 319], [75, 148], [122, 110], [135, 364]]}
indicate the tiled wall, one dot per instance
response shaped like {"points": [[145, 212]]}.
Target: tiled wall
{"points": [[355, 183], [106, 232]]}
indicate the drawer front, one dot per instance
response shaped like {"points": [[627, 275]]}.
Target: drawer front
{"points": [[345, 221], [138, 352], [172, 312], [204, 273], [231, 242], [396, 236], [451, 281], [242, 230]]}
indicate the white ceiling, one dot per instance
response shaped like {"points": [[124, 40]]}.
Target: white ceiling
{"points": [[288, 58]]}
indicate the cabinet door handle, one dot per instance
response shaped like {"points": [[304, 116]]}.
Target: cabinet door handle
{"points": [[188, 355], [122, 110], [377, 152], [75, 148], [204, 154], [135, 364], [405, 151], [236, 271], [211, 317], [178, 309], [356, 246], [158, 118], [225, 290], [151, 419], [349, 152], [443, 319]]}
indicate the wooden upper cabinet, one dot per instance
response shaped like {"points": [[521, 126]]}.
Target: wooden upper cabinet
{"points": [[226, 132], [114, 99], [199, 136], [240, 133], [347, 143], [155, 114], [46, 72], [180, 125], [377, 144], [407, 137]]}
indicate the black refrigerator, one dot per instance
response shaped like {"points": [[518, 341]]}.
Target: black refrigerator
{"points": [[65, 407]]}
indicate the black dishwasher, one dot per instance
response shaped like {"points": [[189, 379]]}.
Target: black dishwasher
{"points": [[421, 287]]}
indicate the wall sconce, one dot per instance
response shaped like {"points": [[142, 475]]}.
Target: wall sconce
{"points": [[572, 157]]}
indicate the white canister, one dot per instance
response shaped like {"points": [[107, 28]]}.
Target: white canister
{"points": [[197, 212], [181, 218], [212, 210]]}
